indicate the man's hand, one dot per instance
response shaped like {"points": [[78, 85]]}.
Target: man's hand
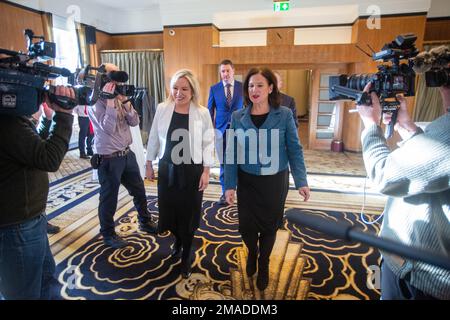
{"points": [[445, 94], [48, 112], [230, 195], [110, 87], [370, 114], [404, 126], [60, 91]]}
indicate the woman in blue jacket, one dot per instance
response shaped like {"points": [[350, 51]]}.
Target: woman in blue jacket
{"points": [[262, 144]]}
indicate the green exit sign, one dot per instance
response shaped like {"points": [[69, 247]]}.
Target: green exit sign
{"points": [[281, 6]]}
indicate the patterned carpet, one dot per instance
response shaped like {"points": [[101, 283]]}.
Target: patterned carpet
{"points": [[88, 270], [144, 269]]}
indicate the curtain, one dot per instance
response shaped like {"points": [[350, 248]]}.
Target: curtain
{"points": [[47, 24], [145, 68], [428, 103], [82, 46]]}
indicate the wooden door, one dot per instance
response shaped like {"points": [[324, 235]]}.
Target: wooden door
{"points": [[326, 118]]}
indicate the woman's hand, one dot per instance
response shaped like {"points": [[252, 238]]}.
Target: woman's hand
{"points": [[305, 192], [204, 180], [230, 195], [149, 172]]}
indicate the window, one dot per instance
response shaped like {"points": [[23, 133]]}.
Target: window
{"points": [[67, 51]]}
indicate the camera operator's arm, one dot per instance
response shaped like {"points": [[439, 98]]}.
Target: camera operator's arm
{"points": [[45, 122], [28, 149], [445, 94], [105, 112], [131, 114], [421, 165]]}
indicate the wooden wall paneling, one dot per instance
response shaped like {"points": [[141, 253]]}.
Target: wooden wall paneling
{"points": [[307, 54], [191, 48], [280, 36], [104, 42], [14, 21], [437, 29], [138, 41]]}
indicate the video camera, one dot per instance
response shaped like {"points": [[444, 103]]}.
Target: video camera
{"points": [[435, 65], [22, 84], [390, 80], [88, 86]]}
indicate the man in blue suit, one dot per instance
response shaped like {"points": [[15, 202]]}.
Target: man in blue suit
{"points": [[225, 97]]}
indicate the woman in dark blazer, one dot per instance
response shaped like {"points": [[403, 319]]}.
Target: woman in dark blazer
{"points": [[262, 144]]}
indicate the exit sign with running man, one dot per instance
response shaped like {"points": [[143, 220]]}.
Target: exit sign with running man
{"points": [[281, 6]]}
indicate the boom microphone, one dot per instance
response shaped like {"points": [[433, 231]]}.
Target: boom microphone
{"points": [[348, 232]]}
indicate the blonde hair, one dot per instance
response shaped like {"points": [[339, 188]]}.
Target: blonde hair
{"points": [[193, 82]]}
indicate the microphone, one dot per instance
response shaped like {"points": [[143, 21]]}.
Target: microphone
{"points": [[349, 232], [118, 76]]}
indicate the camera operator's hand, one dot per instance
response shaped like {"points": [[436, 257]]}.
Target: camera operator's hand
{"points": [[404, 126], [110, 87], [445, 94], [60, 91], [48, 112], [370, 114]]}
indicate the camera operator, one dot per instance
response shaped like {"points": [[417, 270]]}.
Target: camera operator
{"points": [[112, 119], [416, 177], [27, 154]]}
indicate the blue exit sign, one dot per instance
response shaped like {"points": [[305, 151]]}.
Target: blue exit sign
{"points": [[281, 6]]}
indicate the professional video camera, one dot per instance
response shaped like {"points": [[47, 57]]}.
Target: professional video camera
{"points": [[88, 86], [23, 84], [390, 80], [435, 65]]}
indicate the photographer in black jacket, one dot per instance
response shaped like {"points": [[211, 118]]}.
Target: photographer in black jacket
{"points": [[26, 155]]}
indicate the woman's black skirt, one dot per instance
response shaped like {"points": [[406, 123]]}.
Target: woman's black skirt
{"points": [[261, 201], [179, 201]]}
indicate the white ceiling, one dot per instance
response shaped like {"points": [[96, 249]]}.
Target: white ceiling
{"points": [[125, 16]]}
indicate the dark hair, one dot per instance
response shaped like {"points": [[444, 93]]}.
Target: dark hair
{"points": [[274, 97], [226, 62]]}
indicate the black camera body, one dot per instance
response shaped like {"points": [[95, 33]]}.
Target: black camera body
{"points": [[23, 84], [88, 86], [41, 49], [390, 80]]}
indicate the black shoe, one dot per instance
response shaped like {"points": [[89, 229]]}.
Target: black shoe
{"points": [[90, 153], [149, 226], [83, 156], [262, 281], [176, 251], [186, 268], [222, 201], [114, 241], [251, 265], [52, 229]]}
